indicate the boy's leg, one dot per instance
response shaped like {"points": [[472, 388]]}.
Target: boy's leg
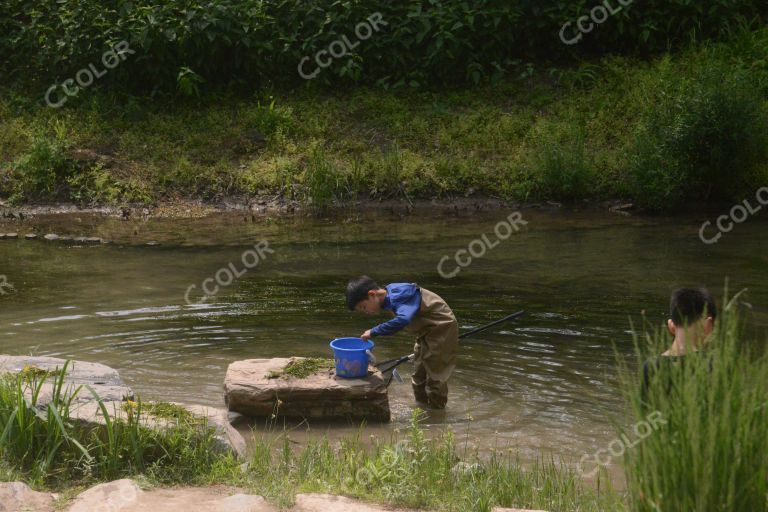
{"points": [[438, 358], [419, 378]]}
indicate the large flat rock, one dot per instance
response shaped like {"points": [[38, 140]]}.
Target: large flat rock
{"points": [[105, 381], [249, 389]]}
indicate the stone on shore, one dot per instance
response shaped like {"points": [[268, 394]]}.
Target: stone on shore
{"points": [[104, 381], [326, 502], [126, 496], [227, 437], [501, 509], [114, 394], [18, 497], [115, 496], [51, 237], [250, 388]]}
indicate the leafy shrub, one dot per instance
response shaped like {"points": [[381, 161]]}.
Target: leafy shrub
{"points": [[47, 172], [703, 138], [187, 44], [41, 173]]}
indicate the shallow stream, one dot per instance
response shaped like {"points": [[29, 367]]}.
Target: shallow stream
{"points": [[545, 383]]}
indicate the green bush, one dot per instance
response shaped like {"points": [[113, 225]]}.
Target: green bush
{"points": [[47, 172], [704, 138], [41, 173], [188, 45]]}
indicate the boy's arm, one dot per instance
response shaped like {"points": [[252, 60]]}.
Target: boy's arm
{"points": [[404, 313]]}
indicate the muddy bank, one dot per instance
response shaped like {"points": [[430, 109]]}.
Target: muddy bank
{"points": [[270, 205]]}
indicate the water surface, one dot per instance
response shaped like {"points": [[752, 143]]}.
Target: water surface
{"points": [[543, 383]]}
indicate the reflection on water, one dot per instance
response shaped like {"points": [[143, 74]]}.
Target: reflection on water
{"points": [[543, 382]]}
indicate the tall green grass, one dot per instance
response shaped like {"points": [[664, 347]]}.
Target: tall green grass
{"points": [[48, 447], [710, 451], [46, 442], [704, 138], [414, 471]]}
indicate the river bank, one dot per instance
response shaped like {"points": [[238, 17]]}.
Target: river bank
{"points": [[129, 496], [690, 127], [90, 428]]}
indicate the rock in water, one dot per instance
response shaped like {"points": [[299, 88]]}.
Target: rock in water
{"points": [[252, 388]]}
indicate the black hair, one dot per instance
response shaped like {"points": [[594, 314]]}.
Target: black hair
{"points": [[688, 305], [357, 290]]}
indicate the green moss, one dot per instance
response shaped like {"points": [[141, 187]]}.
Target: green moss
{"points": [[34, 373], [303, 368]]}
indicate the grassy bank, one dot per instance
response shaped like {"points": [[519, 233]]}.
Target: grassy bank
{"points": [[412, 471], [47, 447], [686, 128]]}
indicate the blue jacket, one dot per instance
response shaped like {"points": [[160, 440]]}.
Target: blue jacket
{"points": [[404, 299]]}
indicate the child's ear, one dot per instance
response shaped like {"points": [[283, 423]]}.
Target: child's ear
{"points": [[671, 327], [371, 294], [709, 325]]}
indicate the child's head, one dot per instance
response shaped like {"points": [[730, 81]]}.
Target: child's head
{"points": [[363, 296], [692, 310]]}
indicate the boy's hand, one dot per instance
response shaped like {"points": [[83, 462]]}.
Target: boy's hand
{"points": [[366, 335]]}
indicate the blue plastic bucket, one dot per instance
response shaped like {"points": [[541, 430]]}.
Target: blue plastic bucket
{"points": [[351, 357]]}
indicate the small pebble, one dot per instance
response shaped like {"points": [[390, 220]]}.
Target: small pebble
{"points": [[11, 235], [80, 239], [2, 236], [30, 236], [93, 240], [51, 237], [153, 242]]}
